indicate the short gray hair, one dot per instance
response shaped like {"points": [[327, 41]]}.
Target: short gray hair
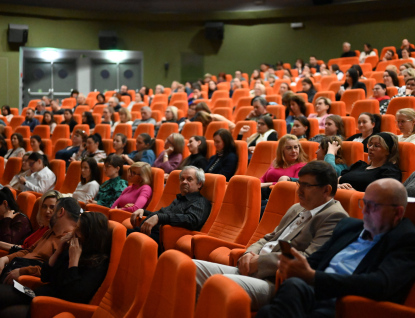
{"points": [[146, 109], [200, 174]]}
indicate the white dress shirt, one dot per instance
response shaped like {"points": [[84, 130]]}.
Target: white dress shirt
{"points": [[40, 181]]}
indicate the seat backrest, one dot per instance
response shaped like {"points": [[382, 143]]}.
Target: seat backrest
{"points": [[406, 162], [157, 186], [264, 154], [334, 86], [349, 125], [326, 81], [369, 83], [242, 152], [328, 94], [144, 128], [277, 110], [83, 127], [26, 202], [125, 129], [213, 127], [224, 111], [160, 98], [190, 129], [354, 210], [16, 121], [24, 131], [238, 93], [350, 96], [47, 147], [127, 293], [104, 130], [61, 144], [366, 105], [60, 132], [58, 167], [42, 130], [170, 191], [177, 96], [352, 152], [282, 197], [344, 197], [252, 129], [338, 108], [12, 168], [222, 297], [310, 148], [218, 94], [241, 113], [399, 103], [239, 213], [72, 178], [388, 123], [166, 129], [280, 125], [314, 127]]}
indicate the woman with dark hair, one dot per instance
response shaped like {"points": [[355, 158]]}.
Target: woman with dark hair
{"points": [[351, 82], [3, 144], [390, 79], [14, 226], [383, 163], [334, 127], [225, 161], [17, 150], [330, 151], [284, 87], [359, 71], [368, 125], [93, 149], [296, 109], [170, 158], [73, 273], [308, 88], [88, 188], [256, 74], [323, 105], [78, 141], [301, 128], [49, 120], [198, 148], [42, 179], [367, 51], [211, 88], [6, 112], [68, 119], [100, 99], [119, 143], [24, 172], [138, 194], [379, 93], [144, 150], [111, 189], [299, 65], [265, 132], [88, 119], [37, 144]]}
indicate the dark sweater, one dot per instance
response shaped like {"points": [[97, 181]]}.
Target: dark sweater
{"points": [[225, 165]]}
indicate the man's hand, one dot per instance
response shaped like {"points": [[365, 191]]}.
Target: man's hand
{"points": [[297, 267], [14, 274], [149, 223], [244, 263], [346, 186], [3, 262], [136, 214], [251, 114]]}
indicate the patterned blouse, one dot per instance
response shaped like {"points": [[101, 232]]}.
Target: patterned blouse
{"points": [[110, 191]]}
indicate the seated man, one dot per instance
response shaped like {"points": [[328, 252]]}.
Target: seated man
{"points": [[405, 45], [145, 118], [80, 100], [389, 54], [189, 210], [373, 258], [40, 108], [56, 108], [124, 90], [260, 108], [30, 121], [114, 103], [308, 225], [347, 52]]}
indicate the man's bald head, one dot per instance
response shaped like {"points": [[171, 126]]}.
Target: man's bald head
{"points": [[394, 191]]}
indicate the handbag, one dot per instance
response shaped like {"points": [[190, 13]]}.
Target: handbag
{"points": [[18, 262]]}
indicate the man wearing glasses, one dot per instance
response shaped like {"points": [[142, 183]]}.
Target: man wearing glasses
{"points": [[307, 225], [373, 258]]}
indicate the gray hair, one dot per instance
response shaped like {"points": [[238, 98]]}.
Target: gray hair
{"points": [[161, 87], [146, 109], [200, 174], [260, 99], [347, 44], [41, 102]]}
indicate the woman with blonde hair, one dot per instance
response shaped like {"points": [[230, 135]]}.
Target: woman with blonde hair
{"points": [[405, 120], [171, 156], [125, 118], [138, 194]]}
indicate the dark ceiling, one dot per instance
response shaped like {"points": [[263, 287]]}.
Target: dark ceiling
{"points": [[171, 6]]}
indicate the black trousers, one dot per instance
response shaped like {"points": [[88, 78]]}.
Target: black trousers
{"points": [[155, 235], [13, 303], [296, 299]]}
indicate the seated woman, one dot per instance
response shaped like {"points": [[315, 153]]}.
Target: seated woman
{"points": [[379, 93], [144, 151], [405, 120], [46, 208], [323, 105], [198, 149], [284, 87], [265, 132], [289, 160], [170, 116], [384, 158], [14, 225], [212, 88], [100, 99], [6, 112], [42, 179], [119, 143], [352, 82], [78, 140], [330, 151], [49, 120], [138, 194], [225, 161], [125, 118], [18, 148], [37, 144], [333, 127], [301, 128], [24, 172], [68, 119], [390, 79], [296, 109], [88, 119], [206, 118], [171, 156], [111, 189], [88, 187], [368, 124], [108, 116], [74, 272], [308, 88], [93, 149]]}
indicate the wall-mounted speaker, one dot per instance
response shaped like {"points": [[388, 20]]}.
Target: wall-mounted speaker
{"points": [[18, 33], [214, 31], [108, 40]]}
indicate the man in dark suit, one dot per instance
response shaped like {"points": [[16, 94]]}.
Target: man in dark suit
{"points": [[373, 258]]}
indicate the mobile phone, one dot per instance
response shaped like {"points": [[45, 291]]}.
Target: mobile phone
{"points": [[285, 248]]}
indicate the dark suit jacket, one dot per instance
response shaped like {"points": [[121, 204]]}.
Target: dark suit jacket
{"points": [[386, 273]]}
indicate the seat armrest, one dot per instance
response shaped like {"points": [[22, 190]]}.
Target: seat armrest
{"points": [[203, 245], [234, 255], [31, 282], [44, 307], [170, 234]]}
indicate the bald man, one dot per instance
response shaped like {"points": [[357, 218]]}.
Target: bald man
{"points": [[373, 258]]}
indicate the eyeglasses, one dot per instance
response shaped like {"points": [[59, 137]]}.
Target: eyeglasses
{"points": [[371, 206], [31, 163], [260, 123], [401, 122], [306, 185]]}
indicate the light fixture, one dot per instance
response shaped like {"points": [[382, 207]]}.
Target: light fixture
{"points": [[50, 55], [116, 56]]}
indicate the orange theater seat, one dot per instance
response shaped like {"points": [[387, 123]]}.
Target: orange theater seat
{"points": [[192, 129], [350, 96], [213, 127], [252, 129], [352, 152], [264, 154], [166, 129], [12, 168], [399, 103], [58, 167], [242, 152], [406, 162], [72, 178]]}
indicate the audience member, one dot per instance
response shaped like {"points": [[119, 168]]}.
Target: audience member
{"points": [[30, 120], [367, 51], [125, 118], [260, 109], [18, 147], [88, 187], [368, 125], [144, 150], [170, 158], [78, 139], [49, 120], [6, 112], [296, 109], [308, 88], [93, 149], [41, 179], [24, 172], [379, 93], [405, 120], [347, 52], [334, 127], [405, 45], [301, 128], [145, 118], [88, 119], [100, 100], [40, 108], [336, 70], [352, 82], [36, 144], [389, 55], [68, 119], [390, 79], [119, 143], [114, 103], [198, 149], [330, 151]]}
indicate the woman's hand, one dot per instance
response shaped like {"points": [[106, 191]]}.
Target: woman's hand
{"points": [[128, 205], [13, 275], [341, 91], [169, 151], [75, 251], [284, 178], [136, 214], [64, 239], [251, 149], [244, 129], [345, 186], [3, 262], [333, 147], [22, 179]]}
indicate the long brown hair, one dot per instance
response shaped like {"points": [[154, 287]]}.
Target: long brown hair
{"points": [[324, 144], [279, 161]]}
